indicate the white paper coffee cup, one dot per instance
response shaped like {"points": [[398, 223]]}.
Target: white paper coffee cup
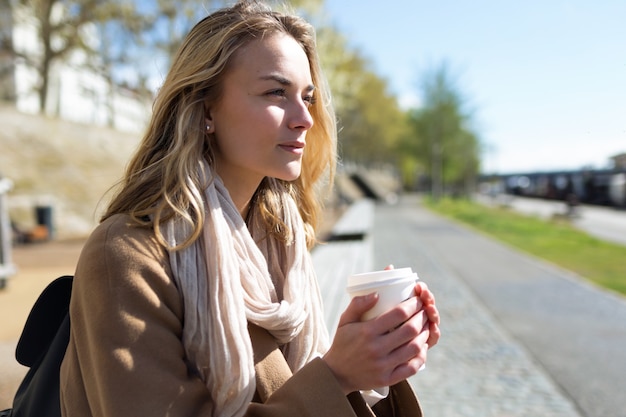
{"points": [[393, 287]]}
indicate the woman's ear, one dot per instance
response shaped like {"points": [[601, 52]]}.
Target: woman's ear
{"points": [[209, 124]]}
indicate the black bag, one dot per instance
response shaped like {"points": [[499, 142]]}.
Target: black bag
{"points": [[41, 347]]}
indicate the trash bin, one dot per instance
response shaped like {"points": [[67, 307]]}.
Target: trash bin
{"points": [[43, 214]]}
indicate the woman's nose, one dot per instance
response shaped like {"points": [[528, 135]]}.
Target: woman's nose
{"points": [[301, 117]]}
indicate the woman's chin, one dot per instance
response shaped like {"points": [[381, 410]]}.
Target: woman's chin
{"points": [[291, 173]]}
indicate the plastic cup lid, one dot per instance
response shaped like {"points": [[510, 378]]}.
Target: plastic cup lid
{"points": [[378, 276], [375, 285]]}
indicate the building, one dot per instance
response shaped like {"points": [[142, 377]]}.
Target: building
{"points": [[76, 91], [619, 161]]}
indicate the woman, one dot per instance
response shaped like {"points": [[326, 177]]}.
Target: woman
{"points": [[196, 296]]}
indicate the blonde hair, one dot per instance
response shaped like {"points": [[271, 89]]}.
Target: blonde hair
{"points": [[163, 179]]}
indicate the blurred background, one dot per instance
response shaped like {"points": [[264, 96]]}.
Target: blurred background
{"points": [[439, 96], [442, 97]]}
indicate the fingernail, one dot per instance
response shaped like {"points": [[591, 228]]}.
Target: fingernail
{"points": [[368, 297]]}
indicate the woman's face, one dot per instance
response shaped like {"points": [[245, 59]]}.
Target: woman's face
{"points": [[260, 122]]}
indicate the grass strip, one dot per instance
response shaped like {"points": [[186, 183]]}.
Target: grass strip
{"points": [[556, 241]]}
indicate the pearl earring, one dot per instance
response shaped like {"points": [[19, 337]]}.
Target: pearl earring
{"points": [[208, 127]]}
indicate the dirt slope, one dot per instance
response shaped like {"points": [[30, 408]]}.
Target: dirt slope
{"points": [[63, 165]]}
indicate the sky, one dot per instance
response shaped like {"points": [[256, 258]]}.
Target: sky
{"points": [[545, 79]]}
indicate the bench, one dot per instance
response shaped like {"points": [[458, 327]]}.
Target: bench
{"points": [[348, 251]]}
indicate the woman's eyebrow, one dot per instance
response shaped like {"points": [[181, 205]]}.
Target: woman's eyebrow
{"points": [[284, 81]]}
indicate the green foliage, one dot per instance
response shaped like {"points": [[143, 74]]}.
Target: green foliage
{"points": [[557, 242], [370, 120], [371, 124], [441, 140]]}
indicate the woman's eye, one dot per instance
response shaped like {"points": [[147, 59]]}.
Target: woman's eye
{"points": [[282, 93], [310, 100], [279, 92]]}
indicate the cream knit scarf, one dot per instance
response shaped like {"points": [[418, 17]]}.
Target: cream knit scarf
{"points": [[226, 280]]}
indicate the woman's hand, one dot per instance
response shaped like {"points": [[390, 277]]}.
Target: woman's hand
{"points": [[428, 301], [385, 350]]}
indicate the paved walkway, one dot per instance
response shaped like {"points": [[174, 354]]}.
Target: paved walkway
{"points": [[520, 337]]}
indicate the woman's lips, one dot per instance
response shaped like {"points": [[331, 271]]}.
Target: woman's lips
{"points": [[295, 147]]}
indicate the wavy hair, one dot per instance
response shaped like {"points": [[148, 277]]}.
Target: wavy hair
{"points": [[164, 177]]}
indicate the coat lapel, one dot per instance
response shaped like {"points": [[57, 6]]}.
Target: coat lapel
{"points": [[270, 365]]}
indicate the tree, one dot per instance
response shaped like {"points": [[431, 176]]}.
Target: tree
{"points": [[117, 60], [173, 19], [7, 65], [63, 27], [372, 123], [442, 140], [370, 120]]}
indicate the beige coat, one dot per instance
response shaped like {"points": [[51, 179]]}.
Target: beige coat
{"points": [[125, 356]]}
